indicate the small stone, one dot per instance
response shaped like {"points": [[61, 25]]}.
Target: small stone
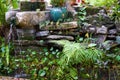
{"points": [[117, 26], [102, 30], [111, 37], [109, 44], [101, 38], [92, 30], [112, 31]]}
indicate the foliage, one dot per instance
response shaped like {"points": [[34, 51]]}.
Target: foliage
{"points": [[73, 53], [37, 65], [5, 50], [81, 16], [116, 13], [57, 3], [5, 5], [101, 3], [44, 24], [52, 64], [77, 54]]}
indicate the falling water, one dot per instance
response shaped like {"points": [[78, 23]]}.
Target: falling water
{"points": [[12, 36]]}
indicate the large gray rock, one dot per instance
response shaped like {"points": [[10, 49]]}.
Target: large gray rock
{"points": [[29, 19]]}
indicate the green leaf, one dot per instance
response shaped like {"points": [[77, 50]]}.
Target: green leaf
{"points": [[117, 58], [33, 52], [92, 45], [15, 4], [42, 73]]}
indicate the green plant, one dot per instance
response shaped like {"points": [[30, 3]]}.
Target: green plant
{"points": [[57, 3], [5, 5], [75, 56], [5, 50], [101, 3], [73, 53], [81, 16], [116, 13]]}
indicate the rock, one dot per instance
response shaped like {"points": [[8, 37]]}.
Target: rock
{"points": [[35, 45], [101, 38], [92, 30], [112, 31], [111, 37], [107, 45], [92, 10], [58, 37], [24, 34], [9, 15], [102, 11], [70, 8], [62, 26], [118, 27], [42, 33], [102, 30], [100, 19], [118, 39], [69, 25], [29, 19], [28, 43]]}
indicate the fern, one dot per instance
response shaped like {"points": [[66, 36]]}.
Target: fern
{"points": [[76, 53]]}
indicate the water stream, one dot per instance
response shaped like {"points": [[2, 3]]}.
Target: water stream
{"points": [[12, 36]]}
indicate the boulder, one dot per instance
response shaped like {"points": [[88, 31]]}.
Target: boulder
{"points": [[29, 19]]}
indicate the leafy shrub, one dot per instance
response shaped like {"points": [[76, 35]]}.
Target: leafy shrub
{"points": [[101, 3], [57, 3], [5, 5]]}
